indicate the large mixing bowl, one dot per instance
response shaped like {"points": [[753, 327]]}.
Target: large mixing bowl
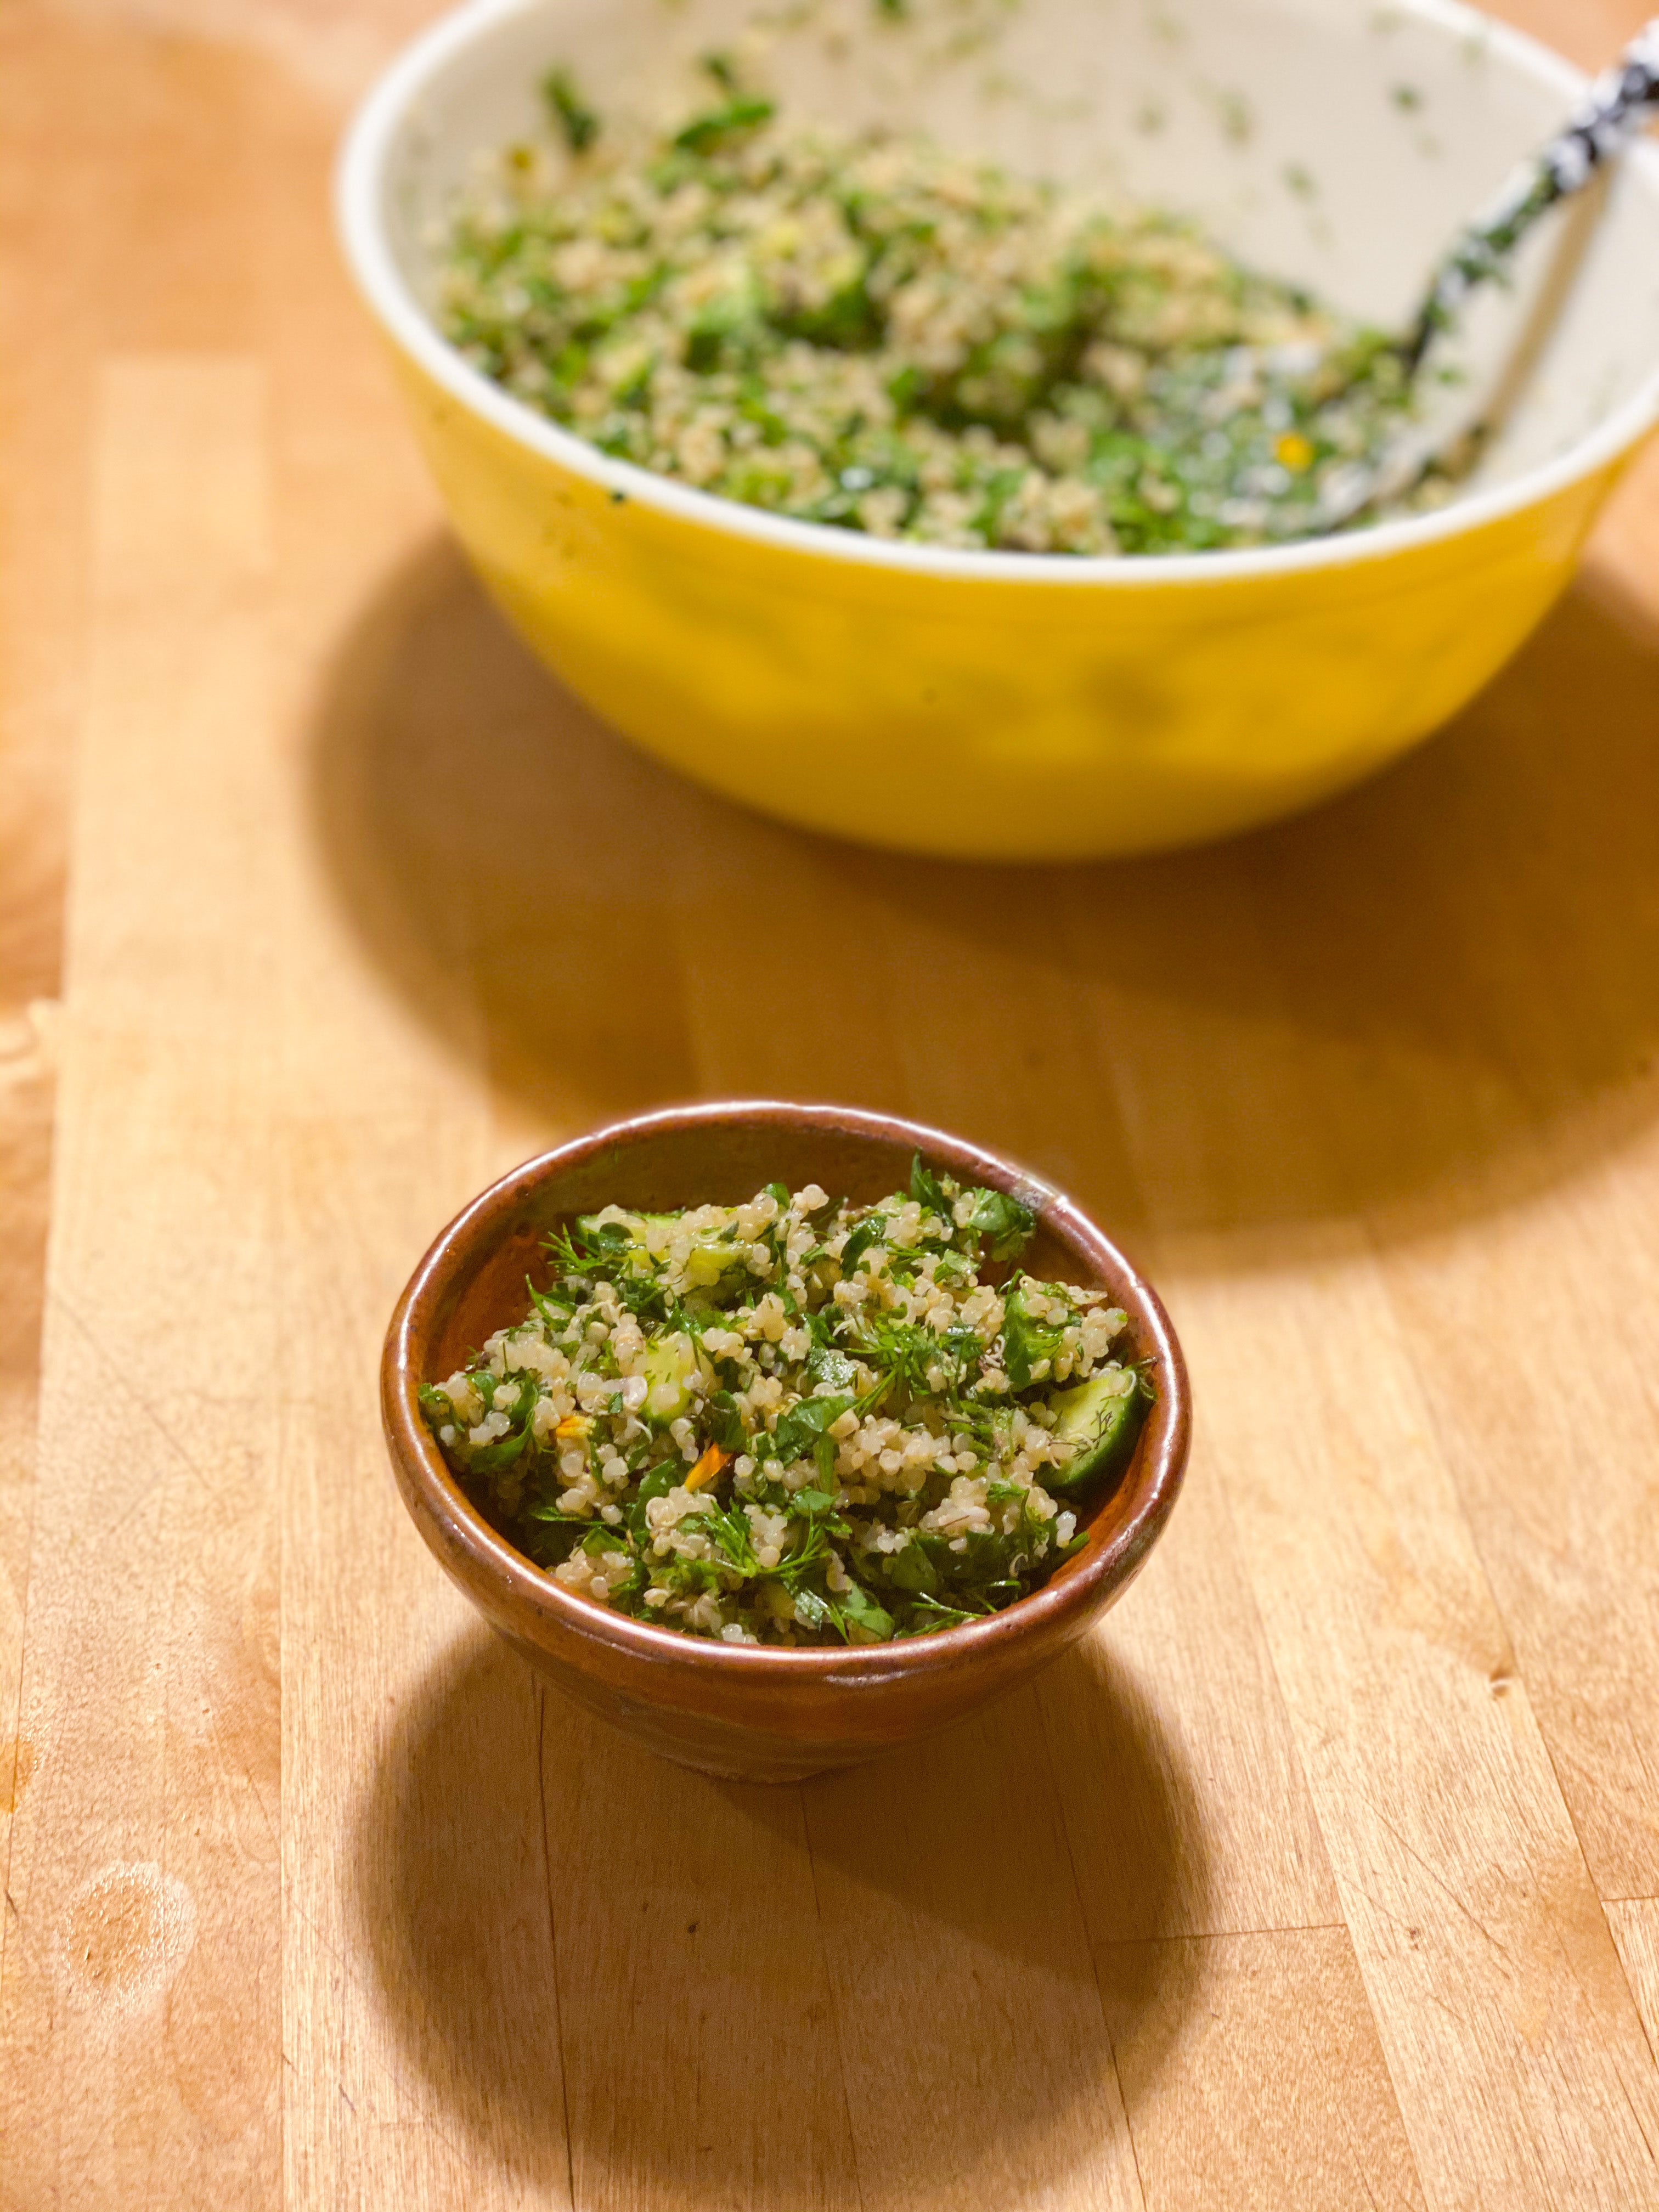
{"points": [[1023, 705]]}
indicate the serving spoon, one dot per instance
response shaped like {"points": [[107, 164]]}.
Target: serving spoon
{"points": [[1615, 109]]}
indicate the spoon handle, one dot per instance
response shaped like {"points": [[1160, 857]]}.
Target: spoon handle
{"points": [[1615, 107]]}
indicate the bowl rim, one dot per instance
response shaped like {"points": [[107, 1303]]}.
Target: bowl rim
{"points": [[358, 199], [425, 1479]]}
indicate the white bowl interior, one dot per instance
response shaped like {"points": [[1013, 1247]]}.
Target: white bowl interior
{"points": [[1330, 141]]}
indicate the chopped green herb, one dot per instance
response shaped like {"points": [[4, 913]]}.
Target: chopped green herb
{"points": [[578, 121], [1004, 1220], [875, 333], [792, 1422], [704, 133], [926, 1190]]}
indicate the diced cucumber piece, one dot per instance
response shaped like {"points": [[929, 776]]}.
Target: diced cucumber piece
{"points": [[705, 1265], [670, 1364], [610, 1241], [592, 1228], [635, 1227], [1102, 1419]]}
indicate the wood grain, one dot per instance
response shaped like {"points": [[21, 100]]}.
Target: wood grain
{"points": [[948, 1895], [1323, 1875], [142, 1961], [1635, 1925], [1254, 2076], [1476, 1925], [1184, 1796], [701, 2063]]}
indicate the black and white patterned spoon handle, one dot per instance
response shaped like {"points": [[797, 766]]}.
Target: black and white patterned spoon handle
{"points": [[1618, 104]]}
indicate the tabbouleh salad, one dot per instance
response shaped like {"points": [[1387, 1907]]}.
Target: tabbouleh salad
{"points": [[870, 332], [795, 1420]]}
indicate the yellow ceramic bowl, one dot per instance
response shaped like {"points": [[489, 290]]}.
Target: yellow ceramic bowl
{"points": [[1026, 706]]}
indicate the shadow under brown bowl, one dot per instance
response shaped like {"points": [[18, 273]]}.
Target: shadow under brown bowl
{"points": [[749, 1711]]}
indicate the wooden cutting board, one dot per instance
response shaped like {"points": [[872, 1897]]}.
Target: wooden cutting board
{"points": [[1325, 1876]]}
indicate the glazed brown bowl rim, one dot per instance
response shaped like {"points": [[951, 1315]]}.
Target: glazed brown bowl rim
{"points": [[1100, 1571]]}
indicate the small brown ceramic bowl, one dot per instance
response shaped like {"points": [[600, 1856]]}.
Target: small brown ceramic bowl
{"points": [[743, 1710]]}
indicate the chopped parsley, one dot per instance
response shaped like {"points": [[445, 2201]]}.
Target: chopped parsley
{"points": [[870, 332], [796, 1421]]}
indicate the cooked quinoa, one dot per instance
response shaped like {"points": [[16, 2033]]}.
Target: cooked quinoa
{"points": [[870, 332], [796, 1421]]}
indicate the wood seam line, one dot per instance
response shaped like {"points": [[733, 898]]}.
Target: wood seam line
{"points": [[1545, 1738], [1292, 1736], [193, 422], [1649, 2028], [12, 1701], [829, 1985], [1371, 1248], [14, 1692], [553, 1944], [1094, 1962], [1414, 2151], [1374, 1248], [1401, 2103], [28, 1443], [1217, 1934]]}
